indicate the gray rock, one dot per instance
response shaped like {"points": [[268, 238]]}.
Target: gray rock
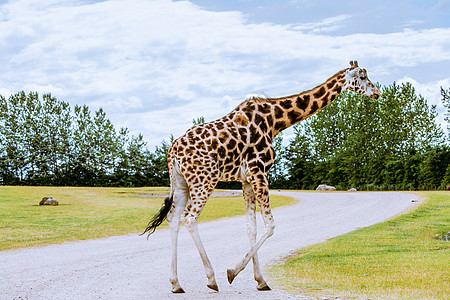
{"points": [[324, 187], [48, 201]]}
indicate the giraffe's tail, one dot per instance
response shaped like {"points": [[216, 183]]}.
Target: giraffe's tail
{"points": [[160, 216]]}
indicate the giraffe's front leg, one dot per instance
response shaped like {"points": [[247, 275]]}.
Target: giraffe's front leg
{"points": [[261, 190], [250, 208], [192, 226]]}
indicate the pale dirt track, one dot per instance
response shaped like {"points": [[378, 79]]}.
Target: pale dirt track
{"points": [[130, 267]]}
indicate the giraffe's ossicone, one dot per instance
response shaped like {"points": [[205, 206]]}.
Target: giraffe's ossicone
{"points": [[238, 147]]}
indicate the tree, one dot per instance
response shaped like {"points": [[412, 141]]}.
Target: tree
{"points": [[358, 141], [277, 170], [134, 167], [198, 121], [12, 152], [446, 102], [408, 123], [42, 142], [54, 138], [140, 159], [82, 155], [389, 143], [105, 145], [433, 168], [298, 157], [160, 170]]}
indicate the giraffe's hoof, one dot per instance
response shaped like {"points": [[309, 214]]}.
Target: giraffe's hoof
{"points": [[230, 275], [264, 287], [213, 287], [178, 290]]}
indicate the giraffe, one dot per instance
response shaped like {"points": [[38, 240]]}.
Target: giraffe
{"points": [[237, 147]]}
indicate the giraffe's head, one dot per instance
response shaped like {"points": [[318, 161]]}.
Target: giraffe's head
{"points": [[356, 80]]}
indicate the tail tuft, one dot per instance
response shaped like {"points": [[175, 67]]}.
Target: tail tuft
{"points": [[159, 217]]}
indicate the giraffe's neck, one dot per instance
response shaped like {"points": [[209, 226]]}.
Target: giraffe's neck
{"points": [[290, 110], [268, 117]]}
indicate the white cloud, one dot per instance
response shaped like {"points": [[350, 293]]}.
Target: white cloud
{"points": [[121, 105], [326, 25], [173, 61], [412, 23], [429, 90], [43, 89], [5, 92]]}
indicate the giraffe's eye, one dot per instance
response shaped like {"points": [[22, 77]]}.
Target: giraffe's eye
{"points": [[363, 77]]}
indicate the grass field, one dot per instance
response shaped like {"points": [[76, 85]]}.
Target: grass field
{"points": [[406, 257], [87, 213]]}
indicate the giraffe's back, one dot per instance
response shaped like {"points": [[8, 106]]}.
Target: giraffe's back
{"points": [[223, 149]]}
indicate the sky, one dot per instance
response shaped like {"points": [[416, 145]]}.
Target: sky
{"points": [[154, 66]]}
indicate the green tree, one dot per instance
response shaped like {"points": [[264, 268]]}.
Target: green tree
{"points": [[140, 159], [42, 142], [408, 123], [106, 146], [52, 139], [82, 154], [36, 137], [299, 158], [446, 180], [160, 170], [198, 121], [276, 173], [13, 153], [446, 102], [357, 141], [433, 168]]}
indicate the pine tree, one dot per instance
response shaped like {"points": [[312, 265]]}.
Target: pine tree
{"points": [[446, 102]]}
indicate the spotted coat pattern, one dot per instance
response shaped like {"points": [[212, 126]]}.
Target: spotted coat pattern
{"points": [[238, 147]]}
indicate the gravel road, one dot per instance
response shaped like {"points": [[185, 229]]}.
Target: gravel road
{"points": [[130, 267]]}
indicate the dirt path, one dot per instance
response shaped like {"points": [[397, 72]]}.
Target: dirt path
{"points": [[130, 267]]}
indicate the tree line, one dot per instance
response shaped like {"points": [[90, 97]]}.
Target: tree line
{"points": [[43, 141], [392, 143]]}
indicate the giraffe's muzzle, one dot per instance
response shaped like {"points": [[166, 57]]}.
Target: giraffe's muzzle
{"points": [[375, 93]]}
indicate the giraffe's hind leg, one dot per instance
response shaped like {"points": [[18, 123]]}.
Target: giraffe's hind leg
{"points": [[191, 214], [250, 208], [180, 198]]}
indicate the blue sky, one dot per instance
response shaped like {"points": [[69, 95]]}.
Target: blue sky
{"points": [[156, 65]]}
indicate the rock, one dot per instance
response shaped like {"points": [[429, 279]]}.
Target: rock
{"points": [[352, 190], [324, 187], [48, 201]]}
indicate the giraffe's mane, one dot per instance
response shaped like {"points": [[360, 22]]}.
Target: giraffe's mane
{"points": [[305, 91], [256, 96]]}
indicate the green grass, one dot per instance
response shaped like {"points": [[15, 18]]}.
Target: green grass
{"points": [[87, 213], [397, 259]]}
